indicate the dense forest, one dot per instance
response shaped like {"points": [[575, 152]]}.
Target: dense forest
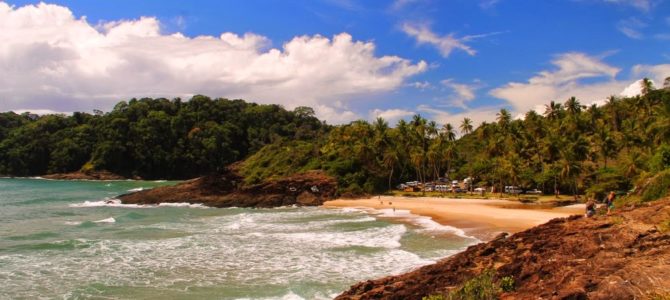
{"points": [[570, 148], [149, 138]]}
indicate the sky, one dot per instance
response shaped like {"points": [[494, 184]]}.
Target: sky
{"points": [[348, 59]]}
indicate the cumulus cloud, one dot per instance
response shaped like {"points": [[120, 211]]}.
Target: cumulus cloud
{"points": [[392, 116], [656, 73], [563, 82], [478, 115], [50, 59]]}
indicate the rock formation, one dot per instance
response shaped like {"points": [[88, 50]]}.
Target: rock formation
{"points": [[227, 190], [625, 255]]}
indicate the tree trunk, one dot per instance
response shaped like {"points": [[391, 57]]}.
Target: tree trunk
{"points": [[390, 177]]}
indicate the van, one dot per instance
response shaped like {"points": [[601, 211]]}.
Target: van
{"points": [[510, 189]]}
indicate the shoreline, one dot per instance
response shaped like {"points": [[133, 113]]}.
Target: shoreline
{"points": [[483, 219]]}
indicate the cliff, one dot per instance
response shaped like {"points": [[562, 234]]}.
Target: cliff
{"points": [[227, 190], [625, 255]]}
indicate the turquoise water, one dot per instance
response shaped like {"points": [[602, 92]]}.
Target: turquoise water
{"points": [[66, 239]]}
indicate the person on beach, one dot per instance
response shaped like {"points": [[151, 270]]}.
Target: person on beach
{"points": [[609, 202], [590, 208]]}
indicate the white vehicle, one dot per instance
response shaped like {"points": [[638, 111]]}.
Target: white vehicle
{"points": [[510, 189], [442, 188]]}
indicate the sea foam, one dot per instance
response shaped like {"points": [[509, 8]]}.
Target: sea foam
{"points": [[425, 223], [117, 203]]}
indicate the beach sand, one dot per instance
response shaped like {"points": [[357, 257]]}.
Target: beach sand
{"points": [[481, 218]]}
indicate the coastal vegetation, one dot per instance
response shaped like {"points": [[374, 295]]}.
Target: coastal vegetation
{"points": [[570, 148], [149, 138]]}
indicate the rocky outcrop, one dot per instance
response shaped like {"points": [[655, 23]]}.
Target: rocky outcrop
{"points": [[87, 175], [621, 256], [227, 190]]}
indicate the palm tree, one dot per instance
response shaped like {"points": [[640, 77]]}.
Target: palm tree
{"points": [[552, 110], [647, 86], [504, 118], [612, 103], [466, 126], [390, 160], [573, 106], [449, 133], [431, 129], [381, 128], [420, 133]]}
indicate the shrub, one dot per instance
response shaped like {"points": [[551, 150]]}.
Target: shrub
{"points": [[661, 158], [481, 287], [434, 297], [507, 284], [657, 186]]}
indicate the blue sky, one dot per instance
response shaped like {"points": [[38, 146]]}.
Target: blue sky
{"points": [[444, 59]]}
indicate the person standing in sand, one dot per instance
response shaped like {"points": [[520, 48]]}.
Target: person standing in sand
{"points": [[609, 201]]}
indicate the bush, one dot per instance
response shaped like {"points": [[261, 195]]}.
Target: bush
{"points": [[507, 284], [481, 287], [661, 158], [657, 186]]}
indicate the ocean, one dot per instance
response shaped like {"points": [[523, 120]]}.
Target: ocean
{"points": [[71, 240]]}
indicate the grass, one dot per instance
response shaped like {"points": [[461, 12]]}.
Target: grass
{"points": [[480, 287]]}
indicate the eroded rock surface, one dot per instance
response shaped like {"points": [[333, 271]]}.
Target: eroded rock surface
{"points": [[622, 256], [226, 190]]}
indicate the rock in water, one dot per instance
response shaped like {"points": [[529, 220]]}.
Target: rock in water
{"points": [[311, 188]]}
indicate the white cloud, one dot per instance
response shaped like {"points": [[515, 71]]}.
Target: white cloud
{"points": [[656, 73], [392, 116], [643, 5], [42, 112], [463, 93], [399, 4], [421, 85], [488, 4], [445, 44], [478, 115], [632, 27], [562, 83], [49, 59]]}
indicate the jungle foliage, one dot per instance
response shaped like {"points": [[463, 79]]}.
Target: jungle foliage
{"points": [[149, 138], [570, 148]]}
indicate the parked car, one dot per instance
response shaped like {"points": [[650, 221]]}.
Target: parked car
{"points": [[534, 192], [510, 189], [480, 190]]}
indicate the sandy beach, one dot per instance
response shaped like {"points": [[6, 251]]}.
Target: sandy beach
{"points": [[477, 217]]}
